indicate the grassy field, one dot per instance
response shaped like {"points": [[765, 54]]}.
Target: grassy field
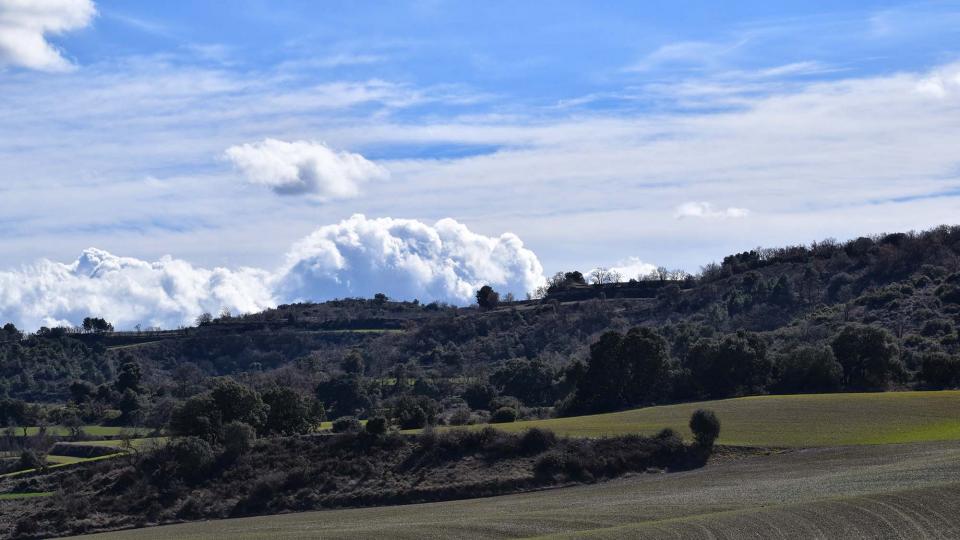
{"points": [[876, 491], [17, 496], [93, 431], [788, 421]]}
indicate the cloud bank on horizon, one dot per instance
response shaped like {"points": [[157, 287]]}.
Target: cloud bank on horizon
{"points": [[357, 257]]}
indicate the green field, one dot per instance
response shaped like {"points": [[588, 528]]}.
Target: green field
{"points": [[788, 421], [874, 491], [93, 431], [17, 496]]}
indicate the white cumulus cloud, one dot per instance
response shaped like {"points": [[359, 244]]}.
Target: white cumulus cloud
{"points": [[705, 210], [304, 168], [127, 291], [403, 258], [24, 25], [406, 259]]}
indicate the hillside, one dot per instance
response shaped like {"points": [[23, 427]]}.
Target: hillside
{"points": [[759, 322], [822, 493]]}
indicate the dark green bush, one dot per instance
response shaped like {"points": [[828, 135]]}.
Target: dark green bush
{"points": [[705, 427], [503, 415], [346, 424], [376, 425], [536, 440]]}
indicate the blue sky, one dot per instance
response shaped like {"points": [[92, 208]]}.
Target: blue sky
{"points": [[600, 133]]}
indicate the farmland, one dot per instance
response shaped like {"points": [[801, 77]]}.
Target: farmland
{"points": [[788, 421], [872, 490]]}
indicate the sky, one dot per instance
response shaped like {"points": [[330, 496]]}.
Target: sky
{"points": [[159, 159]]}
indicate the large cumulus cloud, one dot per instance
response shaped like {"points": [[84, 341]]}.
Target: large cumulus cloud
{"points": [[407, 259], [357, 257], [127, 291]]}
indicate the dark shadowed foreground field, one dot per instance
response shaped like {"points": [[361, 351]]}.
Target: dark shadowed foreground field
{"points": [[885, 491]]}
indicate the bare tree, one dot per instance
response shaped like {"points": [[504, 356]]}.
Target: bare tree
{"points": [[600, 275]]}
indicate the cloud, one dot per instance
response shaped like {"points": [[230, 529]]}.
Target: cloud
{"points": [[686, 54], [407, 259], [24, 25], [403, 258], [304, 168], [630, 268], [127, 291], [705, 210]]}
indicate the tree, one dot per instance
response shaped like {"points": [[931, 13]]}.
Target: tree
{"points": [[414, 412], [130, 406], [238, 438], [868, 355], [353, 362], [197, 416], [529, 380], [601, 276], [82, 391], [96, 324], [503, 415], [782, 292], [204, 318], [623, 370], [291, 413], [705, 427], [478, 395], [237, 402], [343, 396], [808, 369], [736, 365], [376, 425], [129, 377], [940, 370], [487, 298]]}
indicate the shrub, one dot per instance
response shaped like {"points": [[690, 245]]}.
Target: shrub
{"points": [[238, 437], [193, 457], [478, 396], [940, 370], [30, 459], [414, 412], [808, 369], [376, 425], [705, 427], [504, 415], [460, 417], [537, 440], [346, 424]]}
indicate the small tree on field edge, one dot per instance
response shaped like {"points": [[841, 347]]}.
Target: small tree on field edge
{"points": [[705, 427]]}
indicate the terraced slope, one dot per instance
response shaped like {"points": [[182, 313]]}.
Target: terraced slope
{"points": [[789, 421], [884, 491]]}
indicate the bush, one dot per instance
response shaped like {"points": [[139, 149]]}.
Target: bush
{"points": [[537, 440], [238, 438], [30, 459], [504, 415], [478, 396], [193, 457], [377, 425], [940, 370], [346, 424], [415, 412], [460, 417], [705, 427]]}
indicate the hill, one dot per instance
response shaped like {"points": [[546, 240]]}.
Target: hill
{"points": [[801, 421], [884, 491]]}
